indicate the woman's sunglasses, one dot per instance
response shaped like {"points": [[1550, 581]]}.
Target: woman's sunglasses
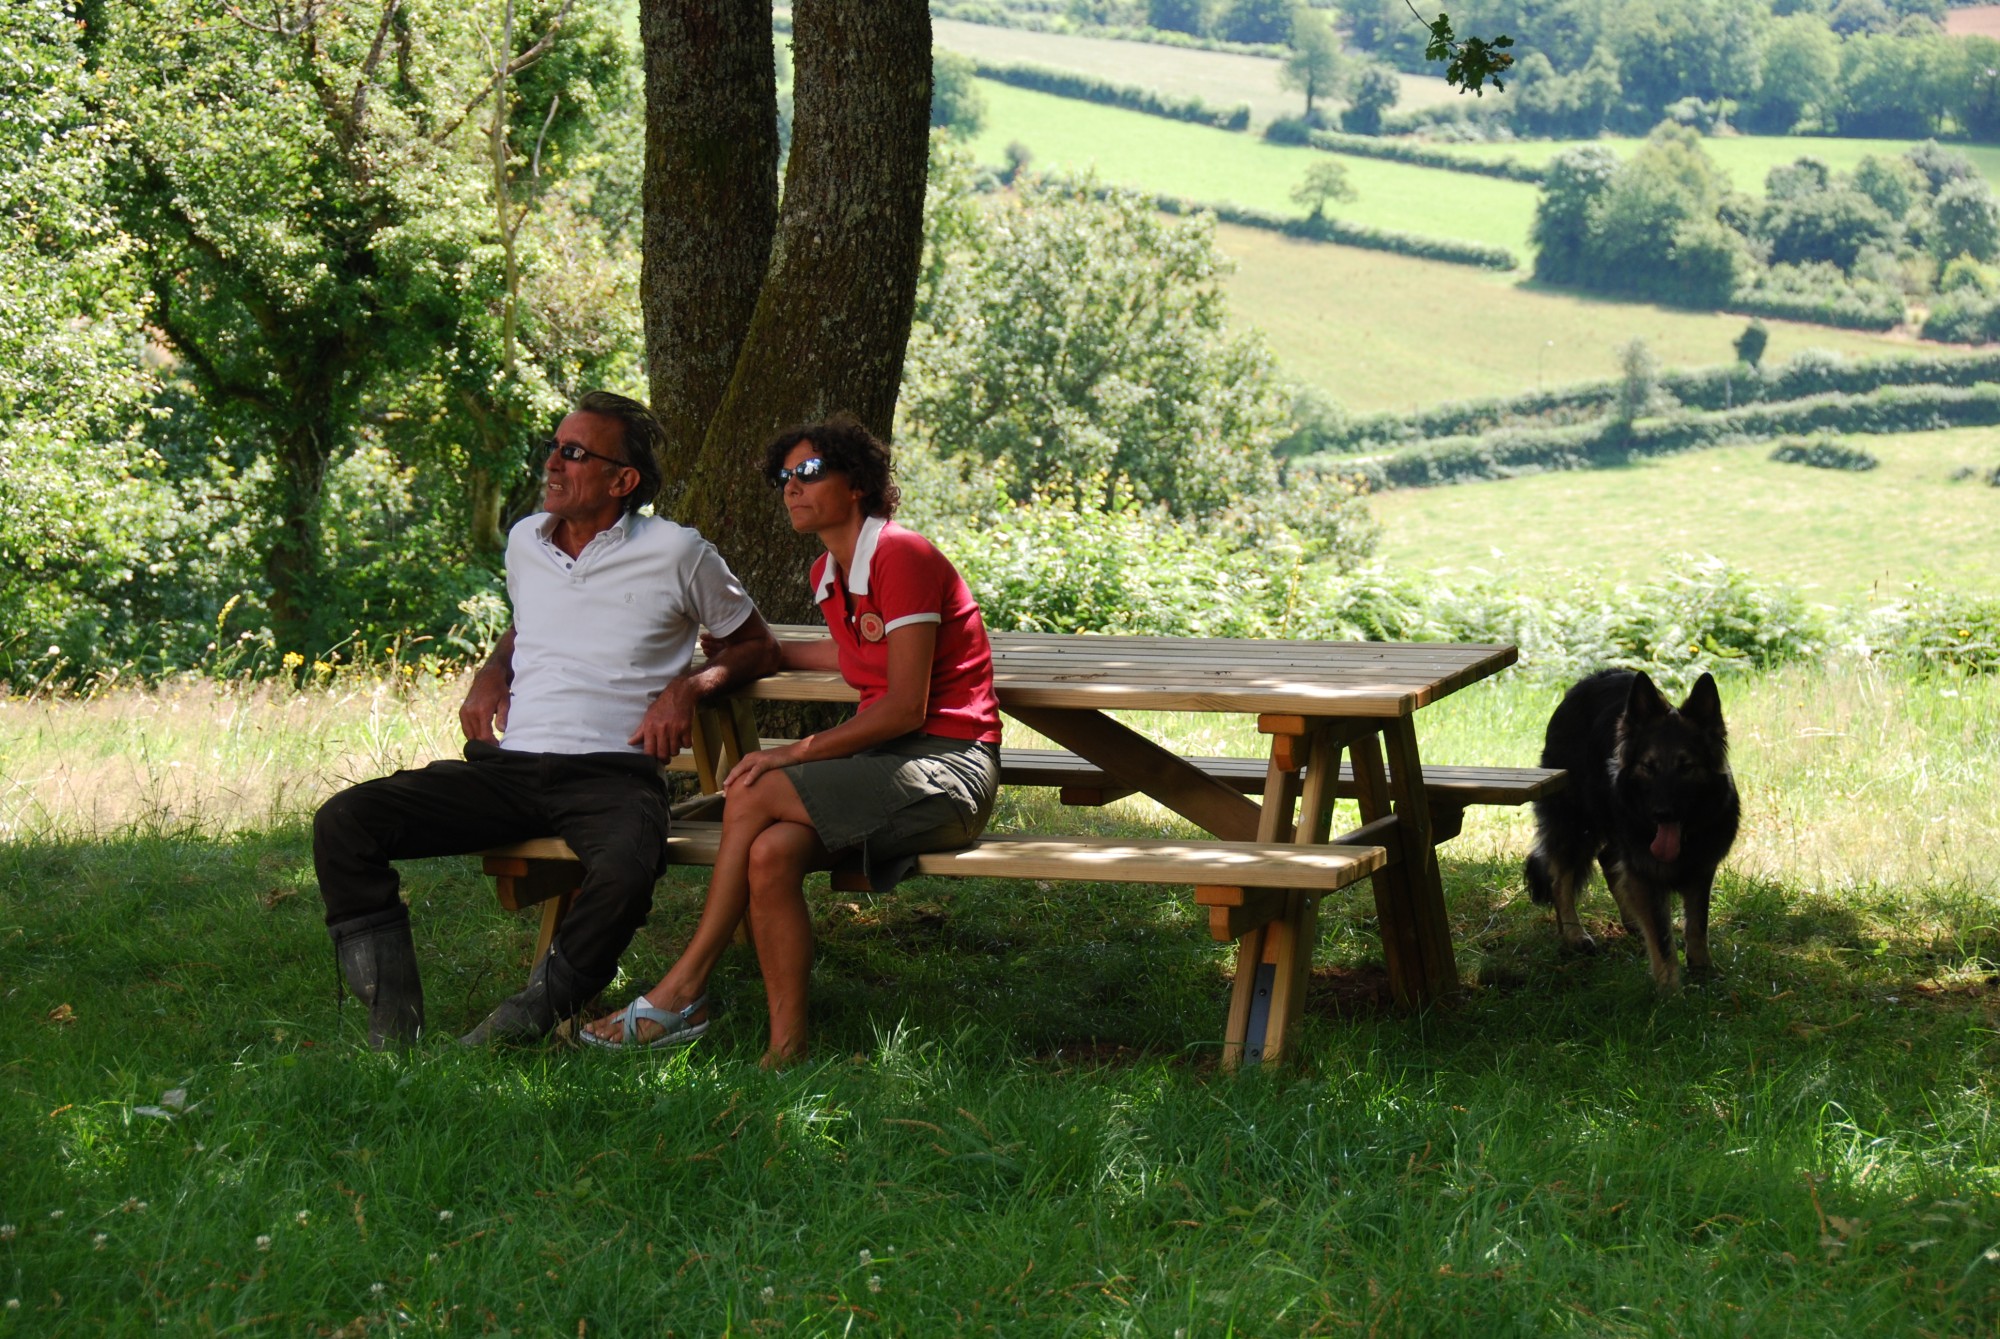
{"points": [[806, 471]]}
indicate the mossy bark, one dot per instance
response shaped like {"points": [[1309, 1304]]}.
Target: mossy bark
{"points": [[711, 206], [834, 311]]}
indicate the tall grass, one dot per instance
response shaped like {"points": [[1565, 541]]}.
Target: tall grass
{"points": [[1013, 1123]]}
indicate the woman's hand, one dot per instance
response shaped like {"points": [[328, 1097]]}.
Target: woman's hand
{"points": [[753, 765]]}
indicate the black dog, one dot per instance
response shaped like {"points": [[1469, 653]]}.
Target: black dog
{"points": [[1650, 797]]}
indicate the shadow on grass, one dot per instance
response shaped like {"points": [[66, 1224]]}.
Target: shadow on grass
{"points": [[173, 944]]}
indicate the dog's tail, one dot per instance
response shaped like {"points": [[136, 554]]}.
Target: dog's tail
{"points": [[1541, 885]]}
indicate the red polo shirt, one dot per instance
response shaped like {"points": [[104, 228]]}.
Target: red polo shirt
{"points": [[899, 578]]}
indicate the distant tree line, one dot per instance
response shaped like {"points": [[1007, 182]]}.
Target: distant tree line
{"points": [[1845, 248], [1879, 68]]}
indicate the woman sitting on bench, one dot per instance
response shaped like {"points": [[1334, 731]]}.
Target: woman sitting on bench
{"points": [[914, 770]]}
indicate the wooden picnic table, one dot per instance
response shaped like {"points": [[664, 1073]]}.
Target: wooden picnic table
{"points": [[1313, 700]]}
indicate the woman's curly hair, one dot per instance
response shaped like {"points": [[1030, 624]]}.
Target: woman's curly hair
{"points": [[849, 449]]}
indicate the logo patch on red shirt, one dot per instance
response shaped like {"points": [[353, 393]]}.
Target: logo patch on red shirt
{"points": [[869, 625]]}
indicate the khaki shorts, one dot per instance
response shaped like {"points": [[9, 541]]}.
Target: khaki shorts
{"points": [[900, 799]]}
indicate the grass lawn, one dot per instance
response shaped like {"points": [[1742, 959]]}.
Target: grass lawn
{"points": [[1377, 331], [1014, 1124], [1202, 163], [1747, 158], [1218, 78], [1843, 537]]}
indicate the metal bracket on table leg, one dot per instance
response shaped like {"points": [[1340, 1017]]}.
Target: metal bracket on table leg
{"points": [[1260, 1013]]}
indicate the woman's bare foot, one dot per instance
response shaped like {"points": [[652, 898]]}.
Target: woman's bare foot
{"points": [[611, 1027], [778, 1059]]}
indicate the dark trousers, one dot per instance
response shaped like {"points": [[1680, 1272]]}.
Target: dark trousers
{"points": [[610, 807]]}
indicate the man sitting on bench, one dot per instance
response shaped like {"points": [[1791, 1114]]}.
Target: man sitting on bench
{"points": [[592, 691]]}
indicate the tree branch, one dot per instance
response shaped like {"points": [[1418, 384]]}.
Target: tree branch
{"points": [[502, 74], [360, 102]]}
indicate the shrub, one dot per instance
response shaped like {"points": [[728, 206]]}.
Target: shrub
{"points": [[1697, 615], [1825, 453], [1751, 343], [1942, 630], [1819, 292]]}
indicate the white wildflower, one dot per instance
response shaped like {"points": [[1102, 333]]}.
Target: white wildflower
{"points": [[97, 1242], [377, 1289], [6, 1232], [263, 1241], [874, 1283], [769, 1294], [303, 1217], [56, 1215], [867, 1257], [13, 1304], [444, 1215]]}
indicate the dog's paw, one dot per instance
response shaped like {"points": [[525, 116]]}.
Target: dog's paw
{"points": [[1579, 941]]}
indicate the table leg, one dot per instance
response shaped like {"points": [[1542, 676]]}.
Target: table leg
{"points": [[1409, 895], [1250, 996], [1426, 885], [1274, 960]]}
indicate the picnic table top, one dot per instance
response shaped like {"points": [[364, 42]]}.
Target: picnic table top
{"points": [[1098, 672]]}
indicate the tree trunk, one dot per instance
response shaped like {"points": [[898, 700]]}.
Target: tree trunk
{"points": [[711, 205], [833, 314], [292, 563]]}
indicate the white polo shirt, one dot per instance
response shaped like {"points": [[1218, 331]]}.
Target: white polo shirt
{"points": [[598, 636]]}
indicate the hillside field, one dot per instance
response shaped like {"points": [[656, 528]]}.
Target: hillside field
{"points": [[1843, 538], [1380, 331], [1219, 78], [1746, 158], [1202, 163]]}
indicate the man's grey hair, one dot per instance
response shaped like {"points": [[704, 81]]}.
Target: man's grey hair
{"points": [[644, 436]]}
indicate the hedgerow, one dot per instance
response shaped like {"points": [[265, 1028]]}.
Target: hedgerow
{"points": [[1728, 386], [1294, 130], [1067, 84], [1508, 452]]}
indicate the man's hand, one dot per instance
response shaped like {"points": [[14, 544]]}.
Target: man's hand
{"points": [[669, 722], [485, 707]]}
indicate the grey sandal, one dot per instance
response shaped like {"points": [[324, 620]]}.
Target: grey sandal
{"points": [[676, 1030]]}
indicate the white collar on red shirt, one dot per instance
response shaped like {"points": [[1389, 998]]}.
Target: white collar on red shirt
{"points": [[864, 557]]}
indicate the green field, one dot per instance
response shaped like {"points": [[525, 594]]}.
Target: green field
{"points": [[1379, 331], [1218, 78], [1844, 538], [1015, 1124], [1746, 158], [1201, 163]]}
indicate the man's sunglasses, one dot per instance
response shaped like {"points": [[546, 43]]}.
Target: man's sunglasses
{"points": [[576, 455], [806, 471]]}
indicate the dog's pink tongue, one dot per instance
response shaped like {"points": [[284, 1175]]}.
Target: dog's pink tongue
{"points": [[1666, 841]]}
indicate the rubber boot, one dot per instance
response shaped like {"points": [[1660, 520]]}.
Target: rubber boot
{"points": [[556, 991], [378, 960]]}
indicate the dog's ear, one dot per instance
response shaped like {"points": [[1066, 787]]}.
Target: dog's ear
{"points": [[1643, 701], [1704, 705]]}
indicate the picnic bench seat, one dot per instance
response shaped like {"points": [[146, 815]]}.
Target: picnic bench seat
{"points": [[1243, 884], [1451, 790]]}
